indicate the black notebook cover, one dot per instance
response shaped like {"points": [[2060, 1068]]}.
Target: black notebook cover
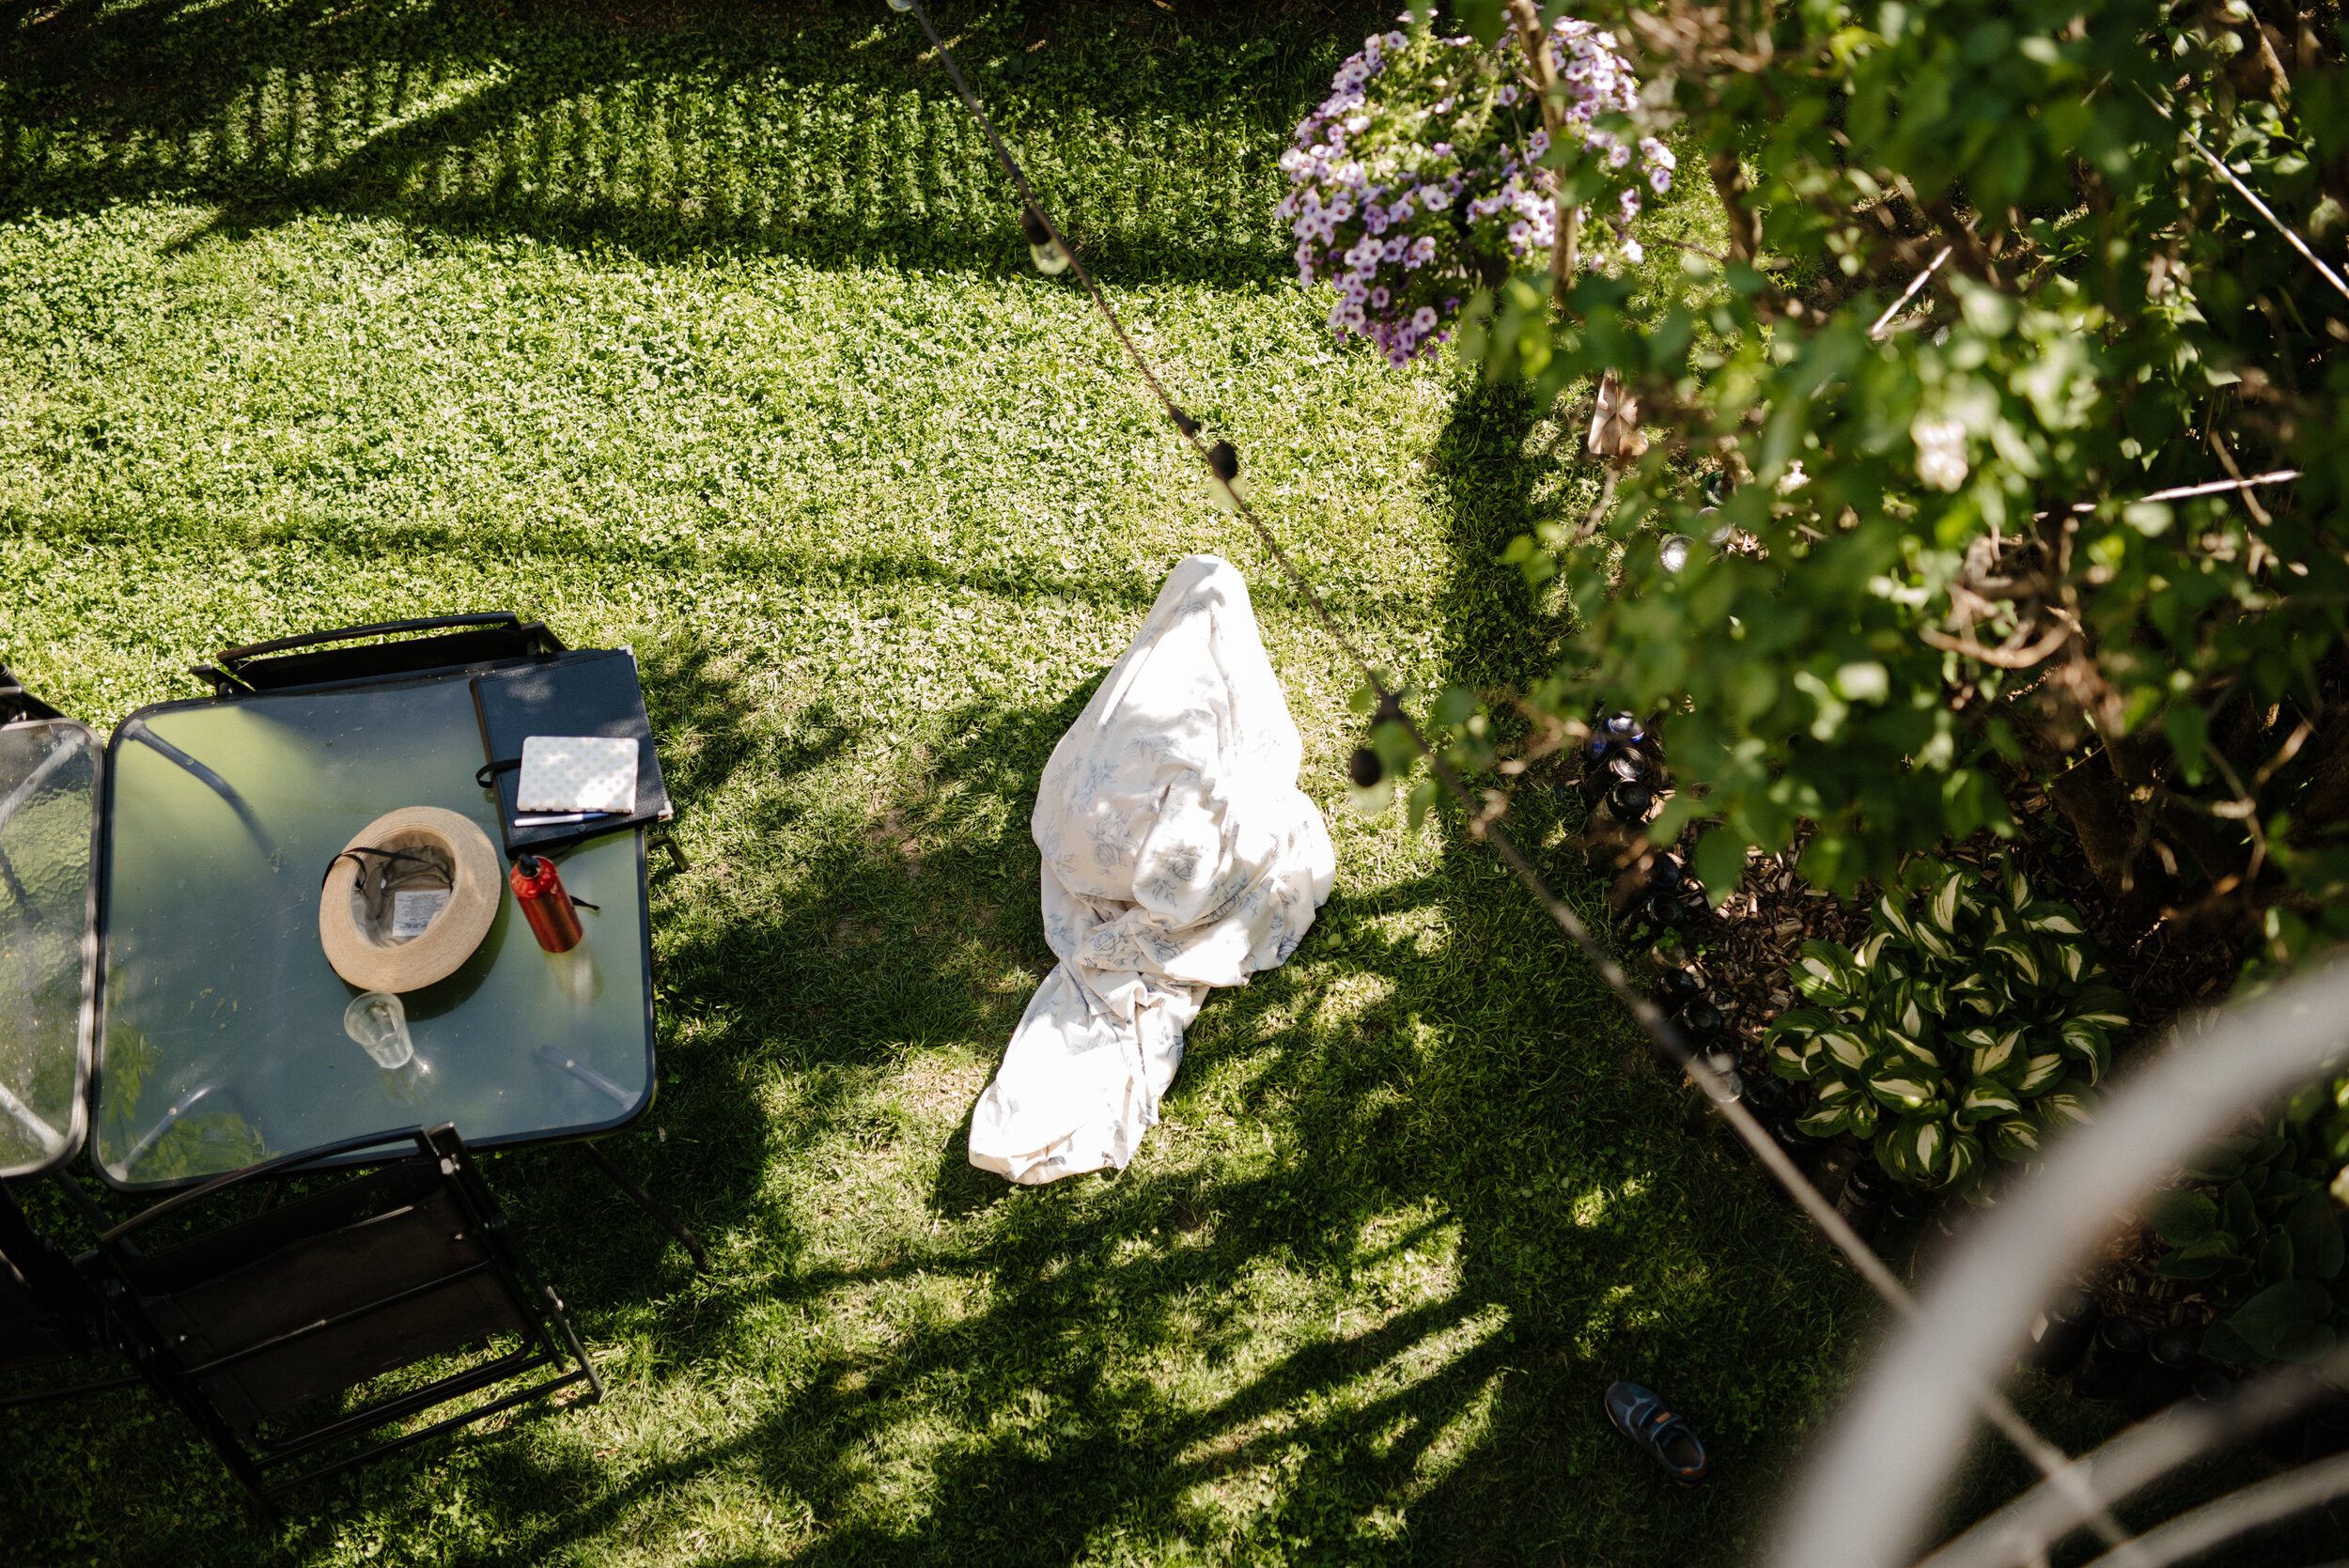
{"points": [[593, 692]]}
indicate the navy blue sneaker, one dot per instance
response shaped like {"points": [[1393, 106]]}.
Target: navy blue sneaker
{"points": [[1643, 1417]]}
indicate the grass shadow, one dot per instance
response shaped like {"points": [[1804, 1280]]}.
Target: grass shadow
{"points": [[812, 130]]}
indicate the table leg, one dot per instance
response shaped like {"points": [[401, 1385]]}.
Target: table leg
{"points": [[653, 1206]]}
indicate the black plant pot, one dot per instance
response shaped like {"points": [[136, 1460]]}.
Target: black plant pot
{"points": [[1797, 1145], [2167, 1369], [1676, 988], [2115, 1352], [1862, 1200], [2063, 1334]]}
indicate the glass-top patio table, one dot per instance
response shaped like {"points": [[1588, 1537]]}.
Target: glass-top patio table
{"points": [[220, 1022]]}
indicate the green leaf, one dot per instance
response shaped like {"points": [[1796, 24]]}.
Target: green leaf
{"points": [[1481, 18], [2306, 1343], [2041, 1074], [1934, 942], [2055, 920], [2222, 1343], [1824, 972], [2264, 1322], [1801, 1022], [1826, 1123], [2015, 1139], [1985, 1102], [2240, 1216], [1846, 1049], [1943, 909], [2275, 1258], [2072, 958], [2314, 1226], [2001, 1057], [1792, 1059], [2102, 1006], [1900, 1091], [2182, 1217], [1966, 1157], [2066, 1106], [2018, 954], [2223, 1160], [2085, 1043], [2018, 889], [1895, 918]]}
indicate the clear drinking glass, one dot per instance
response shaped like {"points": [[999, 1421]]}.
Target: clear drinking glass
{"points": [[378, 1021]]}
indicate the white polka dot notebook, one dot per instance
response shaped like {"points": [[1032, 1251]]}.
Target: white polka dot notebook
{"points": [[577, 772]]}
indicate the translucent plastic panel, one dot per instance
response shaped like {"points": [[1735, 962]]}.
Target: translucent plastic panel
{"points": [[48, 783]]}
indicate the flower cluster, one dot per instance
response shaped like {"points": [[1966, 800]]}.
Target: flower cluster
{"points": [[1420, 177]]}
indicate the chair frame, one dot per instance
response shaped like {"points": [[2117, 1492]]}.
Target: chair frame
{"points": [[59, 1288], [548, 1338]]}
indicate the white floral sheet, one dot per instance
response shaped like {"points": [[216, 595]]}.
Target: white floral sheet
{"points": [[1180, 855]]}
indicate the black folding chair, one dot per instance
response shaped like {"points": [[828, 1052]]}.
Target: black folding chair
{"points": [[48, 1314], [245, 1324]]}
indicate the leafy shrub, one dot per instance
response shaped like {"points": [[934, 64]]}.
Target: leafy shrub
{"points": [[1416, 182], [1974, 1020], [1949, 585], [2269, 1247]]}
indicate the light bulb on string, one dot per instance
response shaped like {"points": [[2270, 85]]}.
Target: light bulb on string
{"points": [[1673, 553], [901, 4], [1043, 249]]}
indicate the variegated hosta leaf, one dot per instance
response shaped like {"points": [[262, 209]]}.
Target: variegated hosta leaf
{"points": [[1935, 942], [2018, 889], [1904, 1054], [1863, 1118], [2018, 955], [2055, 920], [2040, 1075], [1834, 1090], [1846, 1049], [1932, 1142], [2002, 1057], [2102, 1006], [1791, 1058], [1943, 909], [2015, 1139], [1904, 1090], [1976, 1038], [1965, 1157], [1987, 1101], [1826, 1123], [1894, 917], [1801, 1022], [1824, 972], [2072, 958], [2067, 1106], [1871, 948], [1911, 1019]]}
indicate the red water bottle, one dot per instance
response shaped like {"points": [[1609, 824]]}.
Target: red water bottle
{"points": [[544, 904]]}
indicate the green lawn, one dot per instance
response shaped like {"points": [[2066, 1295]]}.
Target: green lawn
{"points": [[707, 330]]}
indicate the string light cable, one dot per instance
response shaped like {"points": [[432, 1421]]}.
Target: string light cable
{"points": [[1050, 249]]}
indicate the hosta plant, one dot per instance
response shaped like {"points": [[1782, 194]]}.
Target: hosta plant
{"points": [[2266, 1246], [1975, 1018]]}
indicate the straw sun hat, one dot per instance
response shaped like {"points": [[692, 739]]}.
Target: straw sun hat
{"points": [[413, 850]]}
